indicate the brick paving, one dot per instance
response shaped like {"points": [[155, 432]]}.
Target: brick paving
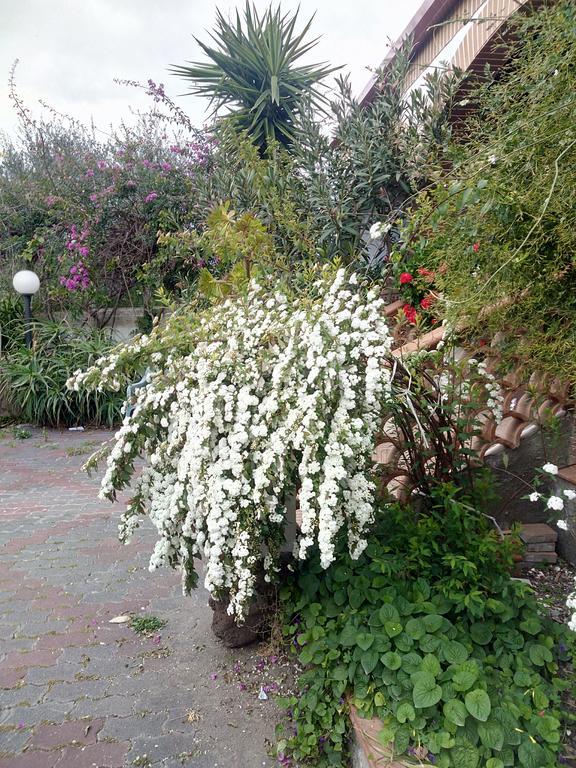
{"points": [[75, 690]]}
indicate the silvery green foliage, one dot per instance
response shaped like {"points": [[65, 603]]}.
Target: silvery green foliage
{"points": [[265, 397]]}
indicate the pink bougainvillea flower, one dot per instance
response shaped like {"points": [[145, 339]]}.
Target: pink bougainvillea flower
{"points": [[476, 247], [150, 197], [405, 277], [410, 313], [89, 173], [425, 272]]}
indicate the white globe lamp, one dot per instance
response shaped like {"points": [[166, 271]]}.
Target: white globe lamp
{"points": [[26, 283]]}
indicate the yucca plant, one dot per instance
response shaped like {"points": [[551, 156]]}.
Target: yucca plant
{"points": [[253, 73]]}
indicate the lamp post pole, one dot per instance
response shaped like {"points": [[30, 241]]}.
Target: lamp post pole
{"points": [[26, 283], [27, 299]]}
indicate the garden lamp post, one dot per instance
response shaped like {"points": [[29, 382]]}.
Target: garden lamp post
{"points": [[26, 283]]}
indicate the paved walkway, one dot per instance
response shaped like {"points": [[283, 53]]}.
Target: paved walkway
{"points": [[77, 691]]}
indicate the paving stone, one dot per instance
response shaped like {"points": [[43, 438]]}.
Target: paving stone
{"points": [[107, 706], [125, 728], [158, 748], [54, 712], [31, 760], [11, 677], [77, 732], [104, 755], [15, 659], [57, 673], [63, 576], [14, 740], [24, 695], [76, 690]]}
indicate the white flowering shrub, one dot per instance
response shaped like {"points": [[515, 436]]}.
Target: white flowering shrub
{"points": [[556, 503], [258, 399]]}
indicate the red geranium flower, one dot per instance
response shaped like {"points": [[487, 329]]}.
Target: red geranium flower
{"points": [[427, 302], [410, 313], [405, 277], [476, 247]]}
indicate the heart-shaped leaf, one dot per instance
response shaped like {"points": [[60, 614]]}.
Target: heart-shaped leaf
{"points": [[478, 704]]}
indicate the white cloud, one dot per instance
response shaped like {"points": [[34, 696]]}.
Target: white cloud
{"points": [[70, 51]]}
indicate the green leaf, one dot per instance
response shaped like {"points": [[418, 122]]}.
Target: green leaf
{"points": [[340, 673], [386, 735], [401, 740], [455, 712], [522, 678], [348, 635], [454, 652], [411, 662], [532, 626], [405, 712], [403, 642], [388, 613], [540, 699], [478, 704], [531, 755], [415, 628], [539, 655], [548, 728], [422, 589], [356, 598], [430, 664], [369, 660], [392, 628], [429, 643], [432, 622], [491, 735], [464, 676], [379, 699], [426, 692], [465, 756], [392, 660], [494, 762], [364, 640], [481, 633]]}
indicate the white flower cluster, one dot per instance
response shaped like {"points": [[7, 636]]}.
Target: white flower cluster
{"points": [[273, 397], [571, 603], [378, 230], [556, 504]]}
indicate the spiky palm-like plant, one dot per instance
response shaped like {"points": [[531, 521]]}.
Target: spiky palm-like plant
{"points": [[253, 73]]}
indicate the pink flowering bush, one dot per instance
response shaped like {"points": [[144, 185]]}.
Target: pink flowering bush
{"points": [[85, 212]]}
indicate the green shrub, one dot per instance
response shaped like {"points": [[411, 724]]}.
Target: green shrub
{"points": [[447, 542], [11, 322], [33, 381], [463, 675], [500, 228]]}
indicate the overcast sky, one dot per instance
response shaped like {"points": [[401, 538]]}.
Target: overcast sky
{"points": [[70, 51]]}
